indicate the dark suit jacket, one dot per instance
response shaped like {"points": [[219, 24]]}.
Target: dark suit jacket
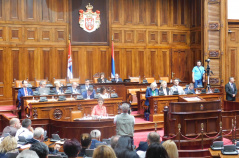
{"points": [[119, 80], [71, 89], [167, 89], [230, 92], [83, 86], [187, 91], [21, 94], [84, 94], [99, 80], [149, 94], [143, 146]]}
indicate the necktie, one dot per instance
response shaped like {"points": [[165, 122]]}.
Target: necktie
{"points": [[26, 92]]}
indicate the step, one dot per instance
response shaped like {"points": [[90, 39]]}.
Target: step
{"points": [[10, 115], [6, 102], [6, 108], [141, 124]]}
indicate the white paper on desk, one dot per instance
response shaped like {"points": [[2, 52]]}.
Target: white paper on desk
{"points": [[60, 142], [25, 146]]}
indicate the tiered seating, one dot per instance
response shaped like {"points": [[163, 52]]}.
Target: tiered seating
{"points": [[9, 111]]}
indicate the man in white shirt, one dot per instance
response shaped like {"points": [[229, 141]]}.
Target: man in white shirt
{"points": [[26, 130], [176, 87]]}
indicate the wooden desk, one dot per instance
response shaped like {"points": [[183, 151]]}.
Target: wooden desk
{"points": [[61, 110], [157, 103], [191, 116], [214, 153], [228, 156]]}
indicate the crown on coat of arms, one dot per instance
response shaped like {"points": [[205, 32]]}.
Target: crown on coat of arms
{"points": [[89, 6]]}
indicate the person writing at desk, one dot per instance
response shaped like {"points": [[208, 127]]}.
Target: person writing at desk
{"points": [[152, 91], [102, 78], [176, 88], [103, 93], [58, 89], [99, 110]]}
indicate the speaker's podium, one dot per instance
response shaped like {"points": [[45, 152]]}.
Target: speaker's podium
{"points": [[194, 116]]}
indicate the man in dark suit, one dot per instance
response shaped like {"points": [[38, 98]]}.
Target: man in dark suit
{"points": [[231, 90], [116, 79], [89, 94], [42, 84], [24, 91], [86, 86], [74, 89]]}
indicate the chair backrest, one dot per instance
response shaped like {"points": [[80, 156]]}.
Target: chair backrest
{"points": [[62, 81], [142, 96], [95, 79], [18, 83], [134, 79], [77, 80], [150, 79], [76, 114], [143, 89], [11, 154], [37, 81], [132, 91], [164, 79]]}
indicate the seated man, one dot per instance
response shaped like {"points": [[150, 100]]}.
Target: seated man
{"points": [[85, 142], [176, 87], [116, 79], [89, 94], [86, 86], [41, 149], [42, 84], [190, 89], [24, 91], [14, 125], [72, 147], [26, 130], [114, 141], [28, 154], [153, 137], [95, 135], [74, 89]]}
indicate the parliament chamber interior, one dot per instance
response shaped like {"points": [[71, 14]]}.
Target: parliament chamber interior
{"points": [[119, 78]]}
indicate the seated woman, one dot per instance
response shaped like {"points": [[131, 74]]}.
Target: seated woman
{"points": [[164, 88], [58, 89], [99, 110], [152, 91], [102, 78], [103, 93], [9, 144]]}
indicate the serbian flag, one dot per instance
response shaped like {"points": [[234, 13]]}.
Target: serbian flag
{"points": [[112, 60], [69, 67]]}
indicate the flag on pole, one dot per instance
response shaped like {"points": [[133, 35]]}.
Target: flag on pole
{"points": [[112, 60], [69, 67]]}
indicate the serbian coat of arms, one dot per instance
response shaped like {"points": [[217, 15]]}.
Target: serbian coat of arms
{"points": [[89, 20]]}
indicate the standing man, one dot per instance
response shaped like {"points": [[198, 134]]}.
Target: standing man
{"points": [[231, 90], [198, 74], [24, 91], [124, 122]]}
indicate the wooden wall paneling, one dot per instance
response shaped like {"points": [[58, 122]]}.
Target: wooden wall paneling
{"points": [[117, 62], [117, 11], [165, 64], [141, 37], [23, 64], [164, 37], [105, 61], [90, 63], [3, 32], [129, 36], [232, 60], [147, 63], [154, 64], [61, 35], [164, 12], [45, 34], [31, 34], [15, 64], [60, 14], [152, 10], [1, 65], [117, 36], [32, 65], [83, 64], [75, 63], [14, 10], [2, 10], [198, 12], [153, 37], [15, 34], [141, 58], [136, 63], [128, 62], [129, 10], [45, 63], [140, 12], [30, 10], [61, 63], [45, 12]]}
